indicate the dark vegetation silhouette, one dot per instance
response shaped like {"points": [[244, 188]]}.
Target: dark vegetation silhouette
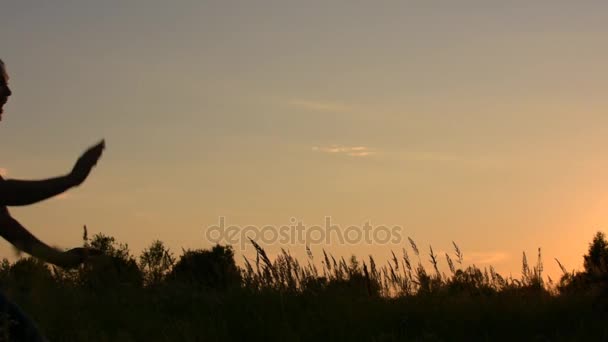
{"points": [[205, 295], [593, 280], [214, 269]]}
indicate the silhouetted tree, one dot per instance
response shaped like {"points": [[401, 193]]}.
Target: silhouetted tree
{"points": [[595, 276], [108, 246], [155, 262], [596, 260]]}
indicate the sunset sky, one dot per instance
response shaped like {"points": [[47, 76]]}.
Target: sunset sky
{"points": [[479, 122]]}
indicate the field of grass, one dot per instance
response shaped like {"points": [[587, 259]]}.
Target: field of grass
{"points": [[204, 296]]}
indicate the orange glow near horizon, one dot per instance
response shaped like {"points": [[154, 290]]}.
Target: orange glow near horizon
{"points": [[475, 123]]}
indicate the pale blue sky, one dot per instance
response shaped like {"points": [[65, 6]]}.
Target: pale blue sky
{"points": [[485, 120]]}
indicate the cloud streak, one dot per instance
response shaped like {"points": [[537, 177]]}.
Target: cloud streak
{"points": [[352, 151]]}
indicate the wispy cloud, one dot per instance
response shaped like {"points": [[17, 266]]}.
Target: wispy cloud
{"points": [[3, 171], [485, 257], [353, 151], [319, 106], [438, 157]]}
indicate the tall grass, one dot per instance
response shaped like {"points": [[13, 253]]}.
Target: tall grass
{"points": [[397, 277], [204, 296]]}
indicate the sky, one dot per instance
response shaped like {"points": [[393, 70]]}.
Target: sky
{"points": [[478, 122]]}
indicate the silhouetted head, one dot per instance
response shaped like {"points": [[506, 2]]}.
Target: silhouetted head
{"points": [[5, 91]]}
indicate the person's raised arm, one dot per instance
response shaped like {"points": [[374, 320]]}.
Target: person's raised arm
{"points": [[24, 192]]}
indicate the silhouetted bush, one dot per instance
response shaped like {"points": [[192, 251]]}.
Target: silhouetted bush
{"points": [[116, 267], [213, 268], [27, 273], [111, 271]]}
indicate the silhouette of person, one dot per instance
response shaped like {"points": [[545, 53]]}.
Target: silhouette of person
{"points": [[24, 192]]}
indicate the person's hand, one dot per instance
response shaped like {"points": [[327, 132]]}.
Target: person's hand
{"points": [[76, 256], [85, 163]]}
